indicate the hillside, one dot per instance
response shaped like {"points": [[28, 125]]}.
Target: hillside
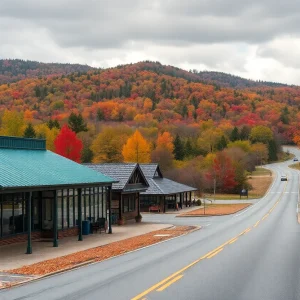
{"points": [[209, 77], [12, 70], [130, 94]]}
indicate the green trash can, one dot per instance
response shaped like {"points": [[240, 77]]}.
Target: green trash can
{"points": [[85, 227]]}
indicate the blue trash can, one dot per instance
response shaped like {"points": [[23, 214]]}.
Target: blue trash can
{"points": [[85, 227]]}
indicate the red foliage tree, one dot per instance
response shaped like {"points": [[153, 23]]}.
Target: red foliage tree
{"points": [[224, 173], [68, 145]]}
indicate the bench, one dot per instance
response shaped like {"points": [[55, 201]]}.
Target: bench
{"points": [[154, 208]]}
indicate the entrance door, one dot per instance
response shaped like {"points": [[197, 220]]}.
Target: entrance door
{"points": [[47, 211]]}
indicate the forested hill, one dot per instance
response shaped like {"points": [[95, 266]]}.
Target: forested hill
{"points": [[139, 97], [210, 77], [12, 70]]}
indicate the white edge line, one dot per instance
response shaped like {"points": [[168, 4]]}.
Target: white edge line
{"points": [[266, 194]]}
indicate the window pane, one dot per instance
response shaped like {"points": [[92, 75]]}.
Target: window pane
{"points": [[76, 209], [65, 214], [59, 213], [7, 215], [71, 209], [18, 214]]}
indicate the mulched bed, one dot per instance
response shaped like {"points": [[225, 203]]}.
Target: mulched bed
{"points": [[216, 210], [103, 252]]}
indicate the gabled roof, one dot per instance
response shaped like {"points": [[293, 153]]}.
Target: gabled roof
{"points": [[122, 172], [164, 186], [151, 170], [25, 169]]}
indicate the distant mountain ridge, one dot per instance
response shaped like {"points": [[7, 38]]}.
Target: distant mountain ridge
{"points": [[12, 70]]}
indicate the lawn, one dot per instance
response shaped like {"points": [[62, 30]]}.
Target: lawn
{"points": [[295, 166], [260, 180], [215, 210]]}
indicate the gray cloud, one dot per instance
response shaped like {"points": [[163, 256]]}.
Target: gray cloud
{"points": [[211, 34]]}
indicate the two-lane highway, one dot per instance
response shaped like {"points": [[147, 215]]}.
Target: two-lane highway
{"points": [[251, 255]]}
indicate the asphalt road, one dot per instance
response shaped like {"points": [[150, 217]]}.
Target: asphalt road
{"points": [[254, 254]]}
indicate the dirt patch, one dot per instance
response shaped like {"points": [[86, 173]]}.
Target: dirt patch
{"points": [[216, 210], [103, 252]]}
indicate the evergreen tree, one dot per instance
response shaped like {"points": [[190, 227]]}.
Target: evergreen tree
{"points": [[272, 148], [29, 131], [178, 148], [234, 136], [188, 151], [245, 132], [87, 155], [100, 115], [76, 123], [222, 143]]}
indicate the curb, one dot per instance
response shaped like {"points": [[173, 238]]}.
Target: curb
{"points": [[216, 215], [92, 262]]}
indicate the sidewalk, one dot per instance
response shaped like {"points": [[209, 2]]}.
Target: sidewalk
{"points": [[13, 256]]}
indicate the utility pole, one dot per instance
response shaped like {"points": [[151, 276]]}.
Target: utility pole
{"points": [[215, 188]]}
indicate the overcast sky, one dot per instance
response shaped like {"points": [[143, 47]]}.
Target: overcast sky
{"points": [[257, 39]]}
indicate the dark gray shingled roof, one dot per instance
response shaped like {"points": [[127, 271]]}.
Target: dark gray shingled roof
{"points": [[164, 186], [150, 169], [119, 171], [160, 185]]}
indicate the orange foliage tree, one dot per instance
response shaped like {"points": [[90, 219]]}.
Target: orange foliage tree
{"points": [[137, 149], [68, 145]]}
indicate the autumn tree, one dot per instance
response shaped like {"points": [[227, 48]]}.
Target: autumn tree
{"points": [[136, 149], [12, 123], [76, 123], [261, 134], [68, 145], [163, 153], [29, 131], [107, 146], [44, 132], [260, 151], [222, 172]]}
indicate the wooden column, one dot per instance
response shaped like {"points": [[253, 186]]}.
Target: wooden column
{"points": [[164, 204], [139, 204], [79, 194], [120, 206], [29, 246], [55, 232], [109, 196]]}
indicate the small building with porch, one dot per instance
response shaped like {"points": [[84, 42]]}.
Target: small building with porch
{"points": [[163, 194], [44, 195], [125, 192]]}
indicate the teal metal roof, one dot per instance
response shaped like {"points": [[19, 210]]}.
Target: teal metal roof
{"points": [[12, 142], [37, 168]]}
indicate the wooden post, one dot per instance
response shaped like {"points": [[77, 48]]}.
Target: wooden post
{"points": [[109, 209], [120, 206], [29, 246], [164, 204], [55, 232], [79, 194], [139, 204]]}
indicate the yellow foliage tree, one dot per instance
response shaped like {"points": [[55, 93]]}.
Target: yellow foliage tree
{"points": [[107, 147], [44, 132], [12, 123], [137, 149]]}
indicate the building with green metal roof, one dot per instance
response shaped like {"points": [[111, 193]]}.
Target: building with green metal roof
{"points": [[43, 194]]}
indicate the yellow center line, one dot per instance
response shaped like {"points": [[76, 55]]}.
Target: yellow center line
{"points": [[177, 275], [233, 241], [169, 283], [256, 224], [215, 253], [265, 216]]}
